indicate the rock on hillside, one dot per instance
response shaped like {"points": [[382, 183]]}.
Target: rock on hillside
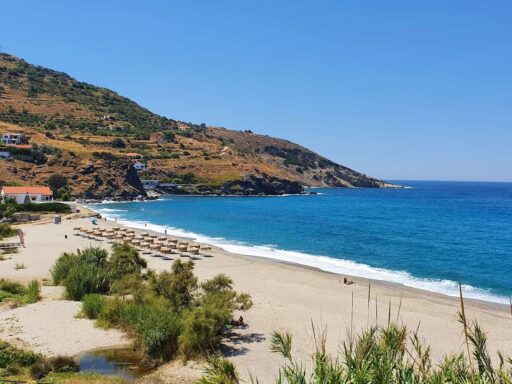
{"points": [[103, 177]]}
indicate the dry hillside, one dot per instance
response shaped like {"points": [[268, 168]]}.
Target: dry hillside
{"points": [[86, 133]]}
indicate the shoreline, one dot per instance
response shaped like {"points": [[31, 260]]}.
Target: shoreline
{"points": [[286, 296], [339, 267]]}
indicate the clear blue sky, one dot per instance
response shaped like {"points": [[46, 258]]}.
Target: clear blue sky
{"points": [[394, 89]]}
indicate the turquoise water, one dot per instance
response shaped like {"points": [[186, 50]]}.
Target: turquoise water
{"points": [[425, 236]]}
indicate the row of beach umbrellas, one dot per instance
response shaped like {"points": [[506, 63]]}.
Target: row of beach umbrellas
{"points": [[147, 243]]}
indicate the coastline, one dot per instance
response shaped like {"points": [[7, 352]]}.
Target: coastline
{"points": [[340, 267], [286, 296]]}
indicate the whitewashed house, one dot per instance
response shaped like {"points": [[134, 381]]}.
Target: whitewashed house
{"points": [[27, 194], [139, 166], [12, 138]]}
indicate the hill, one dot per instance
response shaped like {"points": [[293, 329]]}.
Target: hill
{"points": [[87, 133]]}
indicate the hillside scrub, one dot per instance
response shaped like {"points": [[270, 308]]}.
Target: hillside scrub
{"points": [[387, 354], [169, 314]]}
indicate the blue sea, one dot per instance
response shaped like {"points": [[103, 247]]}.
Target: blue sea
{"points": [[424, 236]]}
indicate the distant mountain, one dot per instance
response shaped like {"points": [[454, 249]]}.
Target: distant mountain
{"points": [[82, 123]]}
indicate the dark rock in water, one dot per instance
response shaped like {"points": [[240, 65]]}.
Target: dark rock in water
{"points": [[248, 186], [266, 185]]}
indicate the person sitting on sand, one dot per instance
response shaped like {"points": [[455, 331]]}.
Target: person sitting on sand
{"points": [[347, 281]]}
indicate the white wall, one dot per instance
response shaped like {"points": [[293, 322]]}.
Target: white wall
{"points": [[34, 198]]}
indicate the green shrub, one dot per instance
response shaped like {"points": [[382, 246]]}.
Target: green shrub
{"points": [[32, 292], [10, 355], [125, 260], [7, 231], [85, 272], [92, 305], [157, 328], [23, 294], [177, 286], [8, 209], [110, 315], [62, 267]]}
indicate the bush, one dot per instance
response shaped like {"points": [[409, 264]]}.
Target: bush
{"points": [[157, 328], [62, 267], [32, 292], [10, 355], [92, 305], [118, 143], [23, 294], [7, 210], [7, 231], [178, 286], [125, 260], [82, 273], [43, 366]]}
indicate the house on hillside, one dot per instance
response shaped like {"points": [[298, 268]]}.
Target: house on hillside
{"points": [[149, 184], [27, 194], [139, 166], [134, 155], [12, 138]]}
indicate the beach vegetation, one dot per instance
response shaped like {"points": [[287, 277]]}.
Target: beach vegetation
{"points": [[18, 293], [169, 314], [19, 266], [83, 272], [125, 260], [92, 305], [18, 365], [80, 378], [7, 231], [380, 354]]}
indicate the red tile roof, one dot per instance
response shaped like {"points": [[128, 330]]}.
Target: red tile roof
{"points": [[25, 146], [29, 190], [133, 154]]}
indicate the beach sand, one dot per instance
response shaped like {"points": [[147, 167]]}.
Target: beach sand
{"points": [[286, 298]]}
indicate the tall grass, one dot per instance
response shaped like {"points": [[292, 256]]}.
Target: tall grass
{"points": [[22, 294], [388, 355]]}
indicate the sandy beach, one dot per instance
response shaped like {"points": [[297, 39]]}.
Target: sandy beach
{"points": [[286, 297]]}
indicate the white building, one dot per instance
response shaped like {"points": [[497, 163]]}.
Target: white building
{"points": [[27, 194], [139, 166], [12, 138], [149, 184]]}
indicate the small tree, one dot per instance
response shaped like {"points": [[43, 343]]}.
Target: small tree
{"points": [[58, 184], [118, 143]]}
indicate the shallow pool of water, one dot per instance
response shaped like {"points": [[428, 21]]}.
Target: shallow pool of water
{"points": [[120, 362]]}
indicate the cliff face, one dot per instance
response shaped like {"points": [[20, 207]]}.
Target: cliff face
{"points": [[74, 120], [97, 179]]}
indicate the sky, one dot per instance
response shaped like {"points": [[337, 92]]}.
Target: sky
{"points": [[399, 90]]}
